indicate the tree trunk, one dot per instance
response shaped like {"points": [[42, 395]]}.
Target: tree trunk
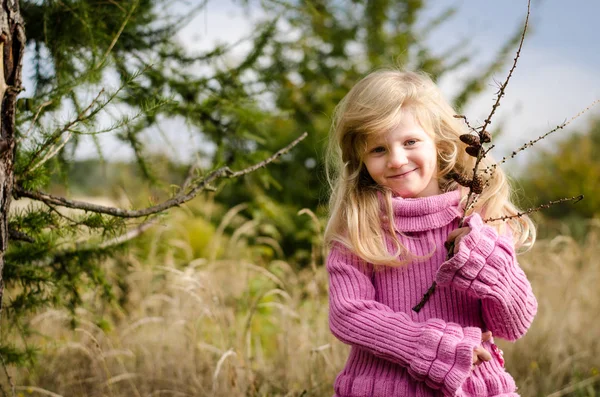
{"points": [[12, 46]]}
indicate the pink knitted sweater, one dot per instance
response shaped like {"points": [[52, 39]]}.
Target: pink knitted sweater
{"points": [[397, 352]]}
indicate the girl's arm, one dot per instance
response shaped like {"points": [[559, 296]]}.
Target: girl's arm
{"points": [[485, 266], [435, 352]]}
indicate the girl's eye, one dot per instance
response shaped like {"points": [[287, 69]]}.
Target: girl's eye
{"points": [[378, 149], [410, 142]]}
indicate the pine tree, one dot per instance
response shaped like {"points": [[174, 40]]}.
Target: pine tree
{"points": [[57, 244]]}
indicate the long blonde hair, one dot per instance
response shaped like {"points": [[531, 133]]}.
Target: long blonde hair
{"points": [[374, 106]]}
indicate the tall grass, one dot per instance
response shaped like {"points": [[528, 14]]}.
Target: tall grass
{"points": [[239, 322]]}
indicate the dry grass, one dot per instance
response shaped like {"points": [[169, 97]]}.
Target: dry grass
{"points": [[232, 325]]}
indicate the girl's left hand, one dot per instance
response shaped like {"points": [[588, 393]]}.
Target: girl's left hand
{"points": [[455, 236]]}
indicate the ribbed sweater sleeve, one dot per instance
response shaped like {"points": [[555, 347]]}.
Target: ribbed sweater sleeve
{"points": [[435, 352], [486, 267]]}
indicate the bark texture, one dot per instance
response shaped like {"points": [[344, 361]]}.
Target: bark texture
{"points": [[12, 46]]}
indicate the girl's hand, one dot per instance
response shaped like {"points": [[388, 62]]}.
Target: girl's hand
{"points": [[479, 353], [455, 236]]}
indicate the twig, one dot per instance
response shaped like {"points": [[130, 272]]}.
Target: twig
{"points": [[481, 131], [492, 167], [80, 117], [37, 114], [51, 153], [575, 200], [17, 235], [464, 118], [512, 69], [10, 382], [190, 176], [130, 235], [114, 41], [223, 172]]}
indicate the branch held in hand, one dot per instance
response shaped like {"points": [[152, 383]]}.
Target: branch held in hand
{"points": [[475, 149]]}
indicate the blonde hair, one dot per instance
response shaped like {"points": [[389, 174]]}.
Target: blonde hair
{"points": [[376, 105]]}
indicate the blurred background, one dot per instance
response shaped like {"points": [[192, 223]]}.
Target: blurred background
{"points": [[132, 102]]}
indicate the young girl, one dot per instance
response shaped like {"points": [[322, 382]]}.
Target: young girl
{"points": [[393, 146]]}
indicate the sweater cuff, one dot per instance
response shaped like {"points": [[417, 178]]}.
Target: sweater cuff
{"points": [[479, 262], [445, 355]]}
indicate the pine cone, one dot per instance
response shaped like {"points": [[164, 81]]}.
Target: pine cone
{"points": [[477, 185], [463, 181], [470, 139], [486, 137], [473, 150]]}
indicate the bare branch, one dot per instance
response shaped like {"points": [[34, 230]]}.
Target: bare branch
{"points": [[464, 118], [223, 172], [481, 132], [502, 88], [492, 167], [549, 204]]}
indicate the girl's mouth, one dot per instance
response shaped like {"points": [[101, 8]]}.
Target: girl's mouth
{"points": [[401, 175]]}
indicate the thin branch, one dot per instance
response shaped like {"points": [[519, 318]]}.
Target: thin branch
{"points": [[190, 176], [123, 238], [223, 172], [10, 381], [574, 199], [116, 38], [481, 154], [129, 235], [464, 118], [37, 114], [512, 69], [17, 235], [52, 152], [492, 167], [80, 117]]}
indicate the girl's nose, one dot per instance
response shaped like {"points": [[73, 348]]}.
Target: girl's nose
{"points": [[397, 159]]}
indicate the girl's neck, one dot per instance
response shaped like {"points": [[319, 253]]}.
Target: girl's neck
{"points": [[425, 213]]}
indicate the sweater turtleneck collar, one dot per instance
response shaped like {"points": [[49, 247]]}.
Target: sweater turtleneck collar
{"points": [[425, 213]]}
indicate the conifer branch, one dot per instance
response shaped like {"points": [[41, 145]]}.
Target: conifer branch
{"points": [[574, 199], [37, 114], [91, 244], [80, 117], [17, 235], [116, 38], [10, 381], [204, 184]]}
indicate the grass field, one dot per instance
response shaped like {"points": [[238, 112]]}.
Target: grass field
{"points": [[202, 321]]}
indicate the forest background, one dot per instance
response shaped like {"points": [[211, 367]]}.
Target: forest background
{"points": [[226, 294]]}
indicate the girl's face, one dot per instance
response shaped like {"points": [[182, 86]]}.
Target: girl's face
{"points": [[404, 159]]}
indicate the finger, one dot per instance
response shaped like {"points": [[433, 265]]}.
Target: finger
{"points": [[485, 336], [484, 355], [456, 243], [456, 232]]}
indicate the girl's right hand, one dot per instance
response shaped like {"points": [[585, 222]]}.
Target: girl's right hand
{"points": [[479, 353]]}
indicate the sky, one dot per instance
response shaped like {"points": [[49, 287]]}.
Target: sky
{"points": [[557, 76]]}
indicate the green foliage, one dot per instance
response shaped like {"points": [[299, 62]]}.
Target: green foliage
{"points": [[565, 169], [114, 67]]}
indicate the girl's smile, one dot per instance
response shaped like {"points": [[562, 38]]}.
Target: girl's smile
{"points": [[404, 159]]}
